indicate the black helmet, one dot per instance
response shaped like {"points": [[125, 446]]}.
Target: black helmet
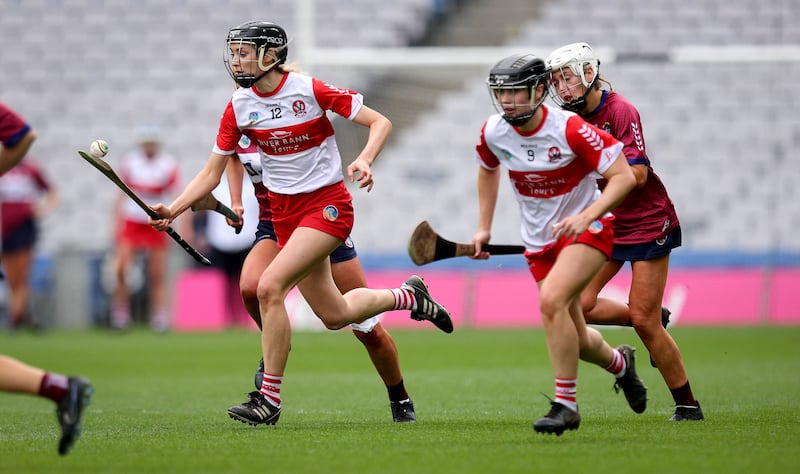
{"points": [[263, 35], [515, 72]]}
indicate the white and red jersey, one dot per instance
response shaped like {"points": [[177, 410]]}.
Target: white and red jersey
{"points": [[553, 170], [291, 128], [153, 179]]}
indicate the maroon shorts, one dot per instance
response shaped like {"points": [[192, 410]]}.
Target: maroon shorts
{"points": [[599, 237], [141, 235], [328, 209]]}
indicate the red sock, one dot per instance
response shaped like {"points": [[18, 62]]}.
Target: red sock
{"points": [[54, 386], [271, 388], [617, 365], [404, 299], [567, 393]]}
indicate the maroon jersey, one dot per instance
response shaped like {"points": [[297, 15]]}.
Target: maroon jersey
{"points": [[20, 189], [12, 127], [647, 213]]}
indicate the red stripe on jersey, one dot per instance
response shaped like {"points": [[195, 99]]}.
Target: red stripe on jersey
{"points": [[550, 183], [485, 153], [334, 98], [293, 139], [228, 134]]}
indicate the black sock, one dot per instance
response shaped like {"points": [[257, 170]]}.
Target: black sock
{"points": [[397, 392], [683, 395]]}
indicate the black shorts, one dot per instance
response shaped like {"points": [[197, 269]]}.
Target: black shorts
{"points": [[22, 237], [343, 253], [648, 250]]}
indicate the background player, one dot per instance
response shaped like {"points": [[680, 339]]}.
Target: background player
{"points": [[153, 174], [71, 394]]}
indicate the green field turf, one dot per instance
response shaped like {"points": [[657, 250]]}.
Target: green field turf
{"points": [[161, 400]]}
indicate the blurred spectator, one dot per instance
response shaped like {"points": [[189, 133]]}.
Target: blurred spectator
{"points": [[153, 175], [227, 249], [26, 196]]}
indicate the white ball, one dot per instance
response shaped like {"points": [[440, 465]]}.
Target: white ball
{"points": [[98, 148]]}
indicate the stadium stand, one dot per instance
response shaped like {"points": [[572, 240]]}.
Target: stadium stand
{"points": [[721, 134]]}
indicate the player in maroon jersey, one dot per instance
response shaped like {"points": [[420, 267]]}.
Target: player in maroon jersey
{"points": [[285, 114], [646, 227], [70, 394], [26, 195]]}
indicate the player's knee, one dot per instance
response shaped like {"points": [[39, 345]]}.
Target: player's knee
{"points": [[549, 305]]}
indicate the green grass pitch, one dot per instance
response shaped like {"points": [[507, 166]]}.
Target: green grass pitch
{"points": [[161, 400]]}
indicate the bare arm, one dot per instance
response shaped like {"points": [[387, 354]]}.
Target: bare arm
{"points": [[234, 171], [488, 185], [203, 183], [379, 129], [9, 157], [640, 172], [48, 202]]}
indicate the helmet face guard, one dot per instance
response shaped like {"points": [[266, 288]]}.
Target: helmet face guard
{"points": [[567, 62], [247, 55], [511, 75]]}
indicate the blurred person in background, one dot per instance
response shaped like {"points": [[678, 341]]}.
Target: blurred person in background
{"points": [[285, 113], [26, 196], [16, 137], [226, 249], [347, 273], [552, 159], [70, 394], [646, 226], [153, 174]]}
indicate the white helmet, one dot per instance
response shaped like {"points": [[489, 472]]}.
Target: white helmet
{"points": [[578, 57]]}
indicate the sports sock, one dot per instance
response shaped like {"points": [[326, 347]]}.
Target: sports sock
{"points": [[683, 395], [54, 386], [567, 393], [397, 392], [617, 365], [404, 299], [271, 388]]}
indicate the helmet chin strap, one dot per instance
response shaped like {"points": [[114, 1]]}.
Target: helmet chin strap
{"points": [[580, 103], [250, 79]]}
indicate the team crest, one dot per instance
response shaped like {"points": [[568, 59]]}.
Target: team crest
{"points": [[330, 213], [299, 108], [253, 117], [349, 242], [595, 227], [244, 142], [554, 154], [607, 127]]}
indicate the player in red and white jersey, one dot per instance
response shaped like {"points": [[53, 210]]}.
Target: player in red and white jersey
{"points": [[347, 273], [553, 158], [153, 174], [646, 226], [26, 196], [284, 113]]}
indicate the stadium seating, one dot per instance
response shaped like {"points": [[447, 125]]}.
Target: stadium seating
{"points": [[720, 134]]}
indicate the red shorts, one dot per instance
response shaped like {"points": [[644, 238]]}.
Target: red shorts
{"points": [[540, 263], [140, 235], [328, 209]]}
